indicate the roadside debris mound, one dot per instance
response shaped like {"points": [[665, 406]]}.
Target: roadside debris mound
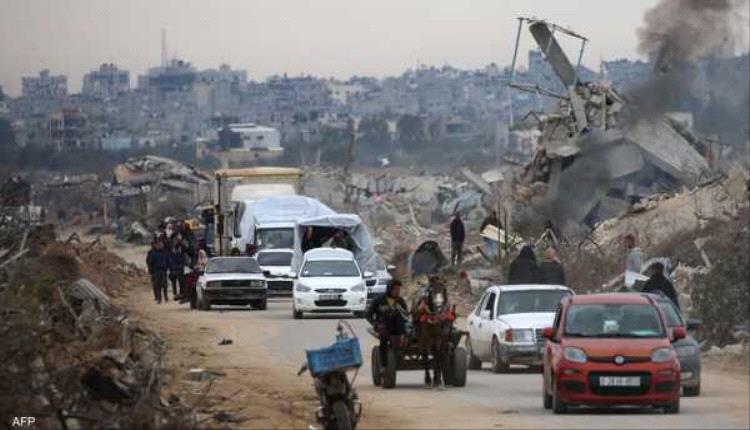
{"points": [[71, 357]]}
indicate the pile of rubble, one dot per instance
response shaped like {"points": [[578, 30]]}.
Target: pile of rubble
{"points": [[405, 211], [141, 184], [700, 235], [71, 357], [599, 152]]}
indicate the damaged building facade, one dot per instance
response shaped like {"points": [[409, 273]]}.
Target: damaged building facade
{"points": [[141, 185], [600, 152]]}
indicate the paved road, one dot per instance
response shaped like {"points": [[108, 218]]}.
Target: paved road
{"points": [[488, 401], [517, 393]]}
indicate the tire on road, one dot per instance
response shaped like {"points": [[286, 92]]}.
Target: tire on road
{"points": [[498, 365], [673, 408], [203, 303], [692, 391], [296, 314], [558, 406], [359, 314], [377, 378], [389, 375], [261, 305], [474, 362], [342, 416], [547, 398], [459, 367]]}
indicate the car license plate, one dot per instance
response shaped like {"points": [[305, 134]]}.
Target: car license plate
{"points": [[619, 381], [330, 296]]}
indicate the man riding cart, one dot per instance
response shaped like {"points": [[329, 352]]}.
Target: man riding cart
{"points": [[430, 344], [388, 314]]}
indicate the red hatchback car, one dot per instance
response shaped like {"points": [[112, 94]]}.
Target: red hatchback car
{"points": [[611, 349]]}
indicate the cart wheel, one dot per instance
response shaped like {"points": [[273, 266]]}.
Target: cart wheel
{"points": [[459, 367], [377, 378], [389, 376]]}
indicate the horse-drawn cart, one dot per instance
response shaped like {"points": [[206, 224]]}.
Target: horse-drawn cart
{"points": [[411, 356]]}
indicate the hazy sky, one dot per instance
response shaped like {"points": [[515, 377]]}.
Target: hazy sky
{"points": [[321, 37]]}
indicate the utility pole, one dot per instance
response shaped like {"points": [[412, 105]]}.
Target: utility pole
{"points": [[352, 127]]}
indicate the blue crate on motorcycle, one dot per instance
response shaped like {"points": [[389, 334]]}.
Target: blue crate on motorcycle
{"points": [[343, 354]]}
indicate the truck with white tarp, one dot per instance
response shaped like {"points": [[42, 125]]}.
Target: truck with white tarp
{"points": [[314, 232], [237, 189], [268, 226]]}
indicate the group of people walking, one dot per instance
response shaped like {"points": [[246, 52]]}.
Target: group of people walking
{"points": [[525, 269], [173, 250]]}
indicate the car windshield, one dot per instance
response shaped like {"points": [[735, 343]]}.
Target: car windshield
{"points": [[273, 238], [517, 302], [670, 312], [329, 268], [275, 258], [232, 265], [613, 320]]}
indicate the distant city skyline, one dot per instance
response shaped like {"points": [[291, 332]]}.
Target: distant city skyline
{"points": [[326, 38]]}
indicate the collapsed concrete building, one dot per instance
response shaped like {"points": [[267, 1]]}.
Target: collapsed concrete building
{"points": [[142, 182], [599, 152]]}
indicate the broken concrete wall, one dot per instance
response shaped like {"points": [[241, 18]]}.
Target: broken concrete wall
{"points": [[661, 220]]}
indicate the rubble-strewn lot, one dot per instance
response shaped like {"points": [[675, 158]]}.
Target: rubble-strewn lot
{"points": [[700, 231], [71, 357]]}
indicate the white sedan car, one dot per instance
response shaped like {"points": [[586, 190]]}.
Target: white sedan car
{"points": [[232, 281], [330, 280], [506, 325]]}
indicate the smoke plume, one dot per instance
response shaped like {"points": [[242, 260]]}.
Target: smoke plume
{"points": [[678, 33]]}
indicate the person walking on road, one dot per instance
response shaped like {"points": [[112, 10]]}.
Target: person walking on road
{"points": [[551, 270], [157, 261], [523, 269], [659, 283], [458, 234], [178, 259]]}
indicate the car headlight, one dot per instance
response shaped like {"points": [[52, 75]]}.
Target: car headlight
{"points": [[660, 355], [302, 288], [575, 355], [358, 288], [522, 335]]}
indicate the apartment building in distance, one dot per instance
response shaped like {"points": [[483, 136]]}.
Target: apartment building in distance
{"points": [[107, 82], [44, 86]]}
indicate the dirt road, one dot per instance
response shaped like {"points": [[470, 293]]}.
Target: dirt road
{"points": [[259, 379]]}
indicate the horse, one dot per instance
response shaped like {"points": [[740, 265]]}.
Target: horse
{"points": [[433, 318]]}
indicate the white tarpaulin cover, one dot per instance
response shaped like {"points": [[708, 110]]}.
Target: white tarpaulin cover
{"points": [[278, 209], [288, 209], [352, 224]]}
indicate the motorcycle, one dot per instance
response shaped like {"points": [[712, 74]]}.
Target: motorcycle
{"points": [[340, 408]]}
